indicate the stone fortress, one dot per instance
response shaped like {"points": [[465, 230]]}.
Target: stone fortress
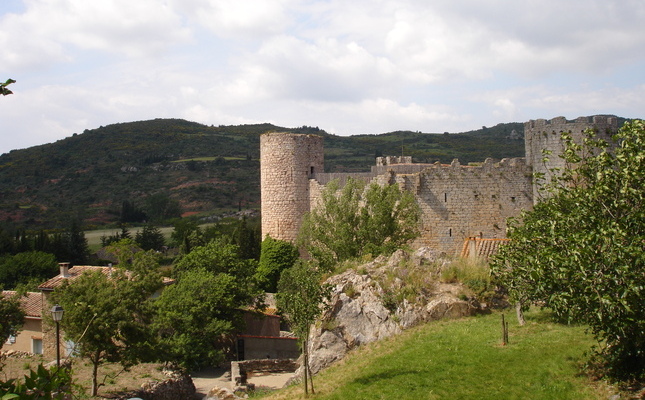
{"points": [[457, 201]]}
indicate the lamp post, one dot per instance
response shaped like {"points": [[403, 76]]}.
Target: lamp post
{"points": [[57, 316]]}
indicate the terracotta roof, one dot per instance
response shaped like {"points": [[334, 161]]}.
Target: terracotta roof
{"points": [[78, 270], [484, 248], [31, 303]]}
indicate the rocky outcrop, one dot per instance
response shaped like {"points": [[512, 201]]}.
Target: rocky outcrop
{"points": [[380, 299]]}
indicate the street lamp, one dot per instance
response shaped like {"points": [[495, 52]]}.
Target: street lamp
{"points": [[57, 316]]}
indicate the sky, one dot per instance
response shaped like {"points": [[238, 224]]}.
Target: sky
{"points": [[346, 66]]}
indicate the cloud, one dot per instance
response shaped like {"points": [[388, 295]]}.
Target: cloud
{"points": [[51, 31]]}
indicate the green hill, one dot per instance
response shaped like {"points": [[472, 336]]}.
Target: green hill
{"points": [[464, 359], [166, 167]]}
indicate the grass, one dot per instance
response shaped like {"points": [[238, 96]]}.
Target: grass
{"points": [[464, 359]]}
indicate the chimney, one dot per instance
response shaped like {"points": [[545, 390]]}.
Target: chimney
{"points": [[64, 269]]}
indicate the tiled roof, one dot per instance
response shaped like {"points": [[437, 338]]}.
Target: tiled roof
{"points": [[31, 303], [77, 271], [484, 248]]}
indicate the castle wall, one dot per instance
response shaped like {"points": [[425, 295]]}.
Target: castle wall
{"points": [[542, 134], [287, 162], [457, 202]]}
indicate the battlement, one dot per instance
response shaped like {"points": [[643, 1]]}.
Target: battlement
{"points": [[392, 160], [561, 124]]}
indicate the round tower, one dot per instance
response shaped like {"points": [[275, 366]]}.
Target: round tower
{"points": [[542, 134], [287, 162]]}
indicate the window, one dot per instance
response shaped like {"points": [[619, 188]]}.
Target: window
{"points": [[11, 339], [37, 346]]}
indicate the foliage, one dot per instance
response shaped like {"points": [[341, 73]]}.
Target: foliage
{"points": [[23, 267], [160, 206], [41, 384], [71, 245], [106, 314], [193, 315], [218, 256], [352, 221], [276, 256], [580, 251], [301, 299], [57, 182], [150, 238], [12, 317], [474, 274], [3, 87], [246, 236]]}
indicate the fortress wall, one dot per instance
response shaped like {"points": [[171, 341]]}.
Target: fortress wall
{"points": [[458, 202], [287, 162], [545, 134]]}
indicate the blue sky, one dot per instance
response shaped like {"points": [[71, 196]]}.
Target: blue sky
{"points": [[349, 67]]}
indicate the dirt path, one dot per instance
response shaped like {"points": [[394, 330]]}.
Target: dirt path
{"points": [[206, 379]]}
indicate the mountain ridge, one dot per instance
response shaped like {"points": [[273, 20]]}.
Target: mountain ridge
{"points": [[207, 170]]}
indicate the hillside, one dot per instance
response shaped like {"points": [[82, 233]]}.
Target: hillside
{"points": [[465, 359], [168, 167]]}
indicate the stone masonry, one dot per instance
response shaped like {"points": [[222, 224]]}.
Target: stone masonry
{"points": [[287, 162], [457, 201]]}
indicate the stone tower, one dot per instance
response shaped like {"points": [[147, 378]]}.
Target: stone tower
{"points": [[542, 134], [287, 162]]}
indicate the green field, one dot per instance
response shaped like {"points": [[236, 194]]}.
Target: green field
{"points": [[464, 359]]}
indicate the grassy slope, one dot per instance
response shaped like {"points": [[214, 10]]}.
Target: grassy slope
{"points": [[464, 359]]}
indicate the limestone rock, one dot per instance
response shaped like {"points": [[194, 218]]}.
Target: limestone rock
{"points": [[358, 312]]}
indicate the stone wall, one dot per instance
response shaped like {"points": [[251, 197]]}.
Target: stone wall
{"points": [[287, 162], [242, 369], [542, 134], [457, 201]]}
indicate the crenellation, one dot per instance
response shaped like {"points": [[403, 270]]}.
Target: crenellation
{"points": [[457, 201]]}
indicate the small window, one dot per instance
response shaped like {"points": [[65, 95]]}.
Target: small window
{"points": [[37, 346], [445, 197], [450, 232], [312, 170]]}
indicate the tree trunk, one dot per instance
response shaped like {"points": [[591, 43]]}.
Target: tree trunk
{"points": [[519, 313], [95, 372], [306, 362]]}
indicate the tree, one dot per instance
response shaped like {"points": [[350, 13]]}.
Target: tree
{"points": [[150, 238], [107, 315], [354, 220], [276, 256], [193, 315], [581, 252], [12, 317], [23, 267], [218, 256], [301, 298], [3, 87]]}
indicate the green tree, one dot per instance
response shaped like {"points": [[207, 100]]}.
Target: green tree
{"points": [[193, 316], [354, 220], [218, 256], [23, 267], [150, 238], [160, 206], [301, 298], [580, 251], [276, 256], [3, 87], [107, 315], [12, 317]]}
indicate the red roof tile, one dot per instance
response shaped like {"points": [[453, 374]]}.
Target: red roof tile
{"points": [[484, 248], [31, 303], [77, 271]]}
